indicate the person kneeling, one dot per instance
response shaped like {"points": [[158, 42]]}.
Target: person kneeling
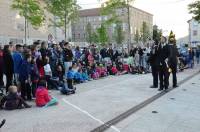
{"points": [[43, 99], [13, 100]]}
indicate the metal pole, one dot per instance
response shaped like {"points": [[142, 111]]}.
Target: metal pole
{"points": [[25, 28], [65, 21], [129, 26]]}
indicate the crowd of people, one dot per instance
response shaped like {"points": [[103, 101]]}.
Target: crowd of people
{"points": [[32, 70]]}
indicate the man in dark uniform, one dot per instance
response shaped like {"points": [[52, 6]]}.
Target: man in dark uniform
{"points": [[153, 60], [172, 60], [163, 53]]}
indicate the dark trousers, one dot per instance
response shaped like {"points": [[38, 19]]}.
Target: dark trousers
{"points": [[25, 90], [34, 87], [1, 78], [155, 76], [164, 77], [9, 79], [70, 83], [174, 70]]}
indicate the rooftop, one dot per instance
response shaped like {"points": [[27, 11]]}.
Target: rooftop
{"points": [[96, 12]]}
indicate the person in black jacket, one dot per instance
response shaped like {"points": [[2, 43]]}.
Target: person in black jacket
{"points": [[163, 53], [172, 60], [8, 65], [68, 56], [153, 60], [103, 53], [1, 67], [13, 100]]}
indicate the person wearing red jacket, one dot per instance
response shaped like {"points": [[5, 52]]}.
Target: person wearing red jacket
{"points": [[42, 95]]}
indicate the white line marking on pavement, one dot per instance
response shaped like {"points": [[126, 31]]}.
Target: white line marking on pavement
{"points": [[88, 114]]}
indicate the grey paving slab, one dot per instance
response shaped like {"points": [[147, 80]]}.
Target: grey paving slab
{"points": [[178, 111], [95, 102]]}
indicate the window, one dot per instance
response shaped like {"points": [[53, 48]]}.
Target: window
{"points": [[16, 40], [79, 36], [20, 27], [195, 32]]}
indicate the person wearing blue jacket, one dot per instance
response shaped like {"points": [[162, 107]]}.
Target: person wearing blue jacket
{"points": [[17, 59], [70, 77], [24, 77], [78, 78]]}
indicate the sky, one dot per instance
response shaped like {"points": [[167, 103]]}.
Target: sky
{"points": [[168, 14]]}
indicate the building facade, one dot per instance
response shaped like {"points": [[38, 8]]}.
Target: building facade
{"points": [[194, 32], [13, 27], [93, 16]]}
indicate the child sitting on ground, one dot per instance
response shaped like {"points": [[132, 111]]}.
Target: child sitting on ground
{"points": [[78, 78], [114, 70], [95, 74], [85, 75], [70, 78], [43, 99], [102, 71], [13, 100]]}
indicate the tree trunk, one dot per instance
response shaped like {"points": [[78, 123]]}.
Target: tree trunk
{"points": [[25, 32]]}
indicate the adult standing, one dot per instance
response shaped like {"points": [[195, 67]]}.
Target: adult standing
{"points": [[198, 55], [163, 53], [110, 52], [68, 56], [24, 77], [172, 60], [1, 67], [8, 64], [17, 59], [103, 53], [154, 63]]}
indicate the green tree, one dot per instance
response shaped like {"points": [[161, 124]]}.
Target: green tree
{"points": [[119, 34], [145, 32], [137, 36], [102, 35], [157, 33], [110, 7], [172, 38], [31, 11], [65, 11], [89, 36], [94, 37], [194, 9]]}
